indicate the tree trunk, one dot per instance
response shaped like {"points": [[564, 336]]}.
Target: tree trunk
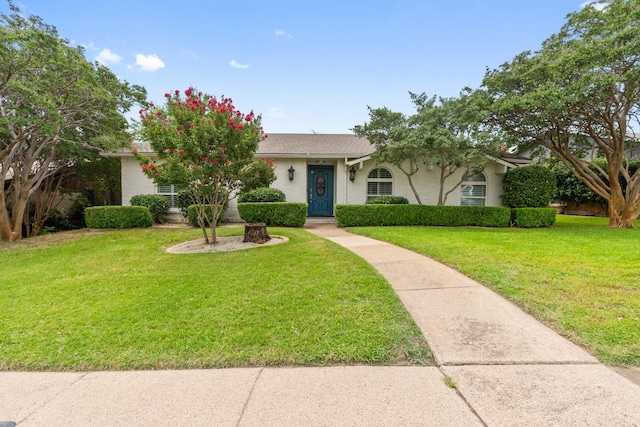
{"points": [[622, 214], [5, 225], [256, 233]]}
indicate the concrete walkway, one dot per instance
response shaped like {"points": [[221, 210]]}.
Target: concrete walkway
{"points": [[510, 370]]}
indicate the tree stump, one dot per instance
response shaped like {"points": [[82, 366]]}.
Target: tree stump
{"points": [[256, 233]]}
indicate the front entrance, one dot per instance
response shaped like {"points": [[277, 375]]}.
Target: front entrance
{"points": [[320, 190]]}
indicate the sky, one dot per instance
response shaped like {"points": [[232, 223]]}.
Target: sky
{"points": [[309, 66]]}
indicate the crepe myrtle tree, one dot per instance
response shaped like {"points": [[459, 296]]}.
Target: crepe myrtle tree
{"points": [[205, 145], [578, 97], [445, 132], [56, 110]]}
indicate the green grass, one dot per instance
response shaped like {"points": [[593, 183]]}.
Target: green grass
{"points": [[580, 277], [117, 300]]}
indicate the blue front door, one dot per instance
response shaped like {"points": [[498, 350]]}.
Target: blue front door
{"points": [[320, 190]]}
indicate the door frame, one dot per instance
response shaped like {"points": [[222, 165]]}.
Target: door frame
{"points": [[330, 188]]}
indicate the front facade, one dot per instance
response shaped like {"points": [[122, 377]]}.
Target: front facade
{"points": [[325, 170]]}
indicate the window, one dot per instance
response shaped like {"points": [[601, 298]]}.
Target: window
{"points": [[170, 192], [473, 189], [379, 183]]}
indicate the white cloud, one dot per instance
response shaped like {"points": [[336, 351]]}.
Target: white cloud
{"points": [[106, 57], [236, 64], [597, 6], [281, 33], [149, 62]]}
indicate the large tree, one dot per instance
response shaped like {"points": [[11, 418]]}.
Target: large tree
{"points": [[579, 97], [54, 107], [388, 131], [445, 132], [207, 147], [453, 136]]}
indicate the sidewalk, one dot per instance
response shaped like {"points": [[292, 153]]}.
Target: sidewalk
{"points": [[510, 370]]}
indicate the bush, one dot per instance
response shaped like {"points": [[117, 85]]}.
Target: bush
{"points": [[192, 215], [58, 221], [529, 187], [570, 188], [533, 217], [118, 217], [76, 217], [422, 215], [387, 200], [156, 204], [261, 195], [280, 214]]}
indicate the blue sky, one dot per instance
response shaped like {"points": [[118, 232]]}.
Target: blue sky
{"points": [[306, 66]]}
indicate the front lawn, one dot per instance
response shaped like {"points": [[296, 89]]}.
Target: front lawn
{"points": [[580, 276], [117, 300]]}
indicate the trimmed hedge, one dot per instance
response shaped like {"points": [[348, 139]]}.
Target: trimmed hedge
{"points": [[451, 216], [117, 217], [529, 187], [192, 214], [156, 204], [533, 217], [280, 214], [387, 200], [262, 195]]}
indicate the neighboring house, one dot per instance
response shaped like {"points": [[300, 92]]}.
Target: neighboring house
{"points": [[324, 170]]}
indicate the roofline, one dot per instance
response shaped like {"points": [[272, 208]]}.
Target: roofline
{"points": [[357, 160], [502, 162]]}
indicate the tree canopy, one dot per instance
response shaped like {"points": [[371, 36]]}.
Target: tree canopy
{"points": [[55, 106], [445, 132], [207, 146], [579, 98]]}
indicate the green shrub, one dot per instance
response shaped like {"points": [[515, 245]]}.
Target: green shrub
{"points": [[280, 214], [387, 200], [261, 195], [156, 204], [533, 217], [573, 189], [192, 215], [184, 199], [117, 217], [58, 221], [76, 217], [490, 216], [529, 187], [451, 216]]}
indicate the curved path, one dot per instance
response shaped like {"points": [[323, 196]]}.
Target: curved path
{"points": [[510, 370]]}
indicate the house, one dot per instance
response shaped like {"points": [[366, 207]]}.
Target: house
{"points": [[328, 169]]}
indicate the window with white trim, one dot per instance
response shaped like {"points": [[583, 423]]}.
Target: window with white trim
{"points": [[473, 189], [379, 183], [170, 192]]}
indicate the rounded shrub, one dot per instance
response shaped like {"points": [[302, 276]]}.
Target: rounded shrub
{"points": [[262, 195], [387, 200], [156, 204], [529, 187], [118, 217]]}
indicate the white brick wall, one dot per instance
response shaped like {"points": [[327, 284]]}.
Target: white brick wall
{"points": [[346, 192], [134, 182]]}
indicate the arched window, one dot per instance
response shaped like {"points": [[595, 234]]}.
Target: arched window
{"points": [[379, 183], [473, 189]]}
